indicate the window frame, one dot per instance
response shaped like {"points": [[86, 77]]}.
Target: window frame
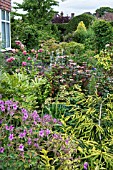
{"points": [[6, 31]]}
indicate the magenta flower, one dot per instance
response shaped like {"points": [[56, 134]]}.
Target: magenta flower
{"points": [[18, 42], [1, 149], [30, 131], [24, 52], [10, 128], [24, 63], [22, 135], [11, 137], [86, 165], [9, 60], [21, 147], [29, 141], [48, 132], [15, 106], [2, 108], [41, 133], [40, 50], [25, 116], [29, 58], [33, 50], [36, 145], [24, 111], [7, 127], [35, 116]]}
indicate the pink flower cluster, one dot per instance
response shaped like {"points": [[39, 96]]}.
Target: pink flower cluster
{"points": [[9, 60], [40, 50], [24, 63]]}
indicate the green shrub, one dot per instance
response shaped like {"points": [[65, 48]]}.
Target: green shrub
{"points": [[80, 34], [90, 39], [103, 33], [73, 23], [74, 47], [21, 87]]}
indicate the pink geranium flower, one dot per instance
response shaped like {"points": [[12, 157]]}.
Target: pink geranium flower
{"points": [[40, 50], [24, 63], [18, 42], [24, 52], [29, 58], [9, 60]]}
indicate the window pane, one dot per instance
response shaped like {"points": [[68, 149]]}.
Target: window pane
{"points": [[3, 15], [7, 35], [7, 16], [3, 35]]}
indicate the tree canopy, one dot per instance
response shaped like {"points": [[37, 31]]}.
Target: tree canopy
{"points": [[38, 11], [102, 10]]}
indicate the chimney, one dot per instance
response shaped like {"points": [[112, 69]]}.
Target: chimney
{"points": [[72, 15], [61, 14]]}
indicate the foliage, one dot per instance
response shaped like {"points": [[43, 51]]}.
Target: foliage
{"points": [[26, 33], [90, 40], [22, 88], [32, 141], [73, 23], [101, 11], [80, 34], [40, 12], [103, 33], [71, 127], [74, 48]]}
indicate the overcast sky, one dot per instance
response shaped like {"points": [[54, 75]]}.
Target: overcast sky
{"points": [[79, 6]]}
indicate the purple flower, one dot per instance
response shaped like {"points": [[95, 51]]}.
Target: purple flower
{"points": [[2, 108], [7, 127], [8, 108], [54, 120], [41, 133], [25, 116], [86, 165], [48, 132], [11, 137], [35, 115], [1, 102], [21, 147], [24, 111], [29, 141], [1, 121], [8, 102], [66, 141], [1, 149], [22, 135], [93, 68], [11, 128], [15, 106], [56, 136], [11, 113], [30, 130], [35, 123], [36, 145]]}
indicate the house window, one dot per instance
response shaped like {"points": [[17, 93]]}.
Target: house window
{"points": [[5, 29]]}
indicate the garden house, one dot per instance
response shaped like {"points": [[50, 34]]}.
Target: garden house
{"points": [[5, 8]]}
